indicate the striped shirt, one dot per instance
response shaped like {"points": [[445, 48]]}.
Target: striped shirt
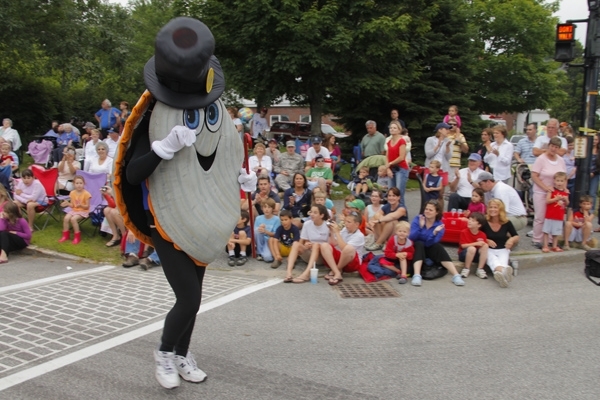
{"points": [[524, 148]]}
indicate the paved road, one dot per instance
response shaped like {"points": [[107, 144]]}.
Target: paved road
{"points": [[90, 334]]}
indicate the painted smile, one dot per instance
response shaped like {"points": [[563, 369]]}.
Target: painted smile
{"points": [[207, 162]]}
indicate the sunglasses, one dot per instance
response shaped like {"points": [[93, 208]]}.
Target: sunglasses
{"points": [[354, 213]]}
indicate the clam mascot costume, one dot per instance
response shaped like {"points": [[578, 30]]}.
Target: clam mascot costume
{"points": [[176, 178]]}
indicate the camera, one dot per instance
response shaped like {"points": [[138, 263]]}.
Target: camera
{"points": [[104, 188]]}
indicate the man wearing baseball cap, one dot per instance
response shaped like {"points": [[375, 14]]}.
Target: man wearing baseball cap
{"points": [[314, 150], [515, 210], [465, 180], [289, 163]]}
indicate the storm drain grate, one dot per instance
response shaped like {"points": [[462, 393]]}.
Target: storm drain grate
{"points": [[375, 290]]}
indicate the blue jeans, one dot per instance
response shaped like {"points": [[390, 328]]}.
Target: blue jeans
{"points": [[594, 190], [399, 181], [134, 248], [262, 246]]}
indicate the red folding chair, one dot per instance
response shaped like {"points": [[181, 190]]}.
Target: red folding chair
{"points": [[49, 179]]}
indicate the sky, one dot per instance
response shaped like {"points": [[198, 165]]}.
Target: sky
{"points": [[569, 9]]}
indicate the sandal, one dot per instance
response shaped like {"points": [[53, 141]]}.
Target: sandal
{"points": [[335, 281], [289, 279], [557, 250], [114, 242], [328, 277], [545, 249], [299, 280]]}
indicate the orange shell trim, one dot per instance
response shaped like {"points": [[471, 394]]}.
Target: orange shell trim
{"points": [[136, 113]]}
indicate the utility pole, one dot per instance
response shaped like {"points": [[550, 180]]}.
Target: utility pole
{"points": [[591, 70]]}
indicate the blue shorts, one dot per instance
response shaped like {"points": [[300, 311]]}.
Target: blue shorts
{"points": [[462, 256]]}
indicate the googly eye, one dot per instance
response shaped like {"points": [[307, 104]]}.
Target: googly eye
{"points": [[214, 116], [193, 119]]}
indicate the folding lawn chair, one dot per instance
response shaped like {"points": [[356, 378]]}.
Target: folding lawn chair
{"points": [[93, 184], [49, 180]]}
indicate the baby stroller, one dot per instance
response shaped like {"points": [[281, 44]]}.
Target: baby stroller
{"points": [[522, 183]]}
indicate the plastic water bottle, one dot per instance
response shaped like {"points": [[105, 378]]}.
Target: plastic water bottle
{"points": [[314, 274], [454, 213], [460, 212], [515, 265]]}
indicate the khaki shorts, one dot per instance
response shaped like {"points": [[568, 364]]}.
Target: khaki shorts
{"points": [[284, 250]]}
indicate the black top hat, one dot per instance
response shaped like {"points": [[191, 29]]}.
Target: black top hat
{"points": [[184, 73]]}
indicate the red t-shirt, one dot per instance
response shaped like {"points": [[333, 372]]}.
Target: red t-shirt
{"points": [[467, 237], [556, 211], [393, 152]]}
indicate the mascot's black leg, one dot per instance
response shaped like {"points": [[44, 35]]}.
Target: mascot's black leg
{"points": [[185, 279]]}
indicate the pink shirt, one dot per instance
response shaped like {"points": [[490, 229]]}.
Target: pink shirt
{"points": [[546, 169]]}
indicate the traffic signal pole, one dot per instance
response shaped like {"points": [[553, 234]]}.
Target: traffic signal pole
{"points": [[591, 71]]}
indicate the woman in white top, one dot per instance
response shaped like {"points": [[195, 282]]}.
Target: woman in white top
{"points": [[101, 164], [90, 147], [259, 162], [499, 156], [439, 147], [67, 168], [314, 232]]}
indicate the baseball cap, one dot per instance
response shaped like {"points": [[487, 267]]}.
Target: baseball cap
{"points": [[290, 143], [111, 130], [474, 157], [316, 140], [357, 203], [485, 176], [273, 140], [89, 125], [442, 125]]}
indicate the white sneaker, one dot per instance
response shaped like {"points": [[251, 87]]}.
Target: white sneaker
{"points": [[166, 373], [187, 368], [481, 273], [501, 279], [335, 184], [529, 234], [464, 272]]}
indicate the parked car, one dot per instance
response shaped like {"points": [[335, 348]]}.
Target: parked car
{"points": [[514, 139], [293, 130]]}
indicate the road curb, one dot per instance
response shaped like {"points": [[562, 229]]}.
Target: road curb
{"points": [[34, 250], [531, 259]]}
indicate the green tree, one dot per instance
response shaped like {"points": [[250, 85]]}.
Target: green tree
{"points": [[313, 52], [514, 41]]}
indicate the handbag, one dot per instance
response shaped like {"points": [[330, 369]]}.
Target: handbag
{"points": [[592, 265], [431, 271]]}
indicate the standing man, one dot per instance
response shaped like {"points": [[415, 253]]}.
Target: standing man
{"points": [[515, 210], [289, 163], [524, 149], [541, 143], [465, 180], [107, 117], [395, 115], [258, 124], [372, 144], [112, 141]]}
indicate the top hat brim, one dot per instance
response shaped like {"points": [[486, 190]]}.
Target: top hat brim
{"points": [[184, 101]]}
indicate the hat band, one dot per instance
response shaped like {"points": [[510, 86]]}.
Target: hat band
{"points": [[181, 86]]}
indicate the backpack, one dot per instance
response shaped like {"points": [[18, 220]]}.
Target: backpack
{"points": [[592, 265], [431, 271]]}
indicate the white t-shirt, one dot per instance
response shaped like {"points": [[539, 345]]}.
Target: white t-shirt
{"points": [[356, 240], [500, 163], [509, 196], [96, 168], [90, 150], [112, 146], [265, 163], [542, 143], [464, 188], [259, 125], [313, 233], [311, 153]]}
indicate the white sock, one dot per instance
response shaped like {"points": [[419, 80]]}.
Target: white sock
{"points": [[242, 254], [231, 253]]}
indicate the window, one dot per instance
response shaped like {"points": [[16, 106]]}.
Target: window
{"points": [[278, 118], [305, 118]]}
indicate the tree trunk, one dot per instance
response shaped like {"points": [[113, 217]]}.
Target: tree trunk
{"points": [[316, 111]]}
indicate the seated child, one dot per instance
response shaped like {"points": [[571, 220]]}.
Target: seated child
{"points": [[399, 250], [384, 182], [264, 228], [321, 198], [477, 204], [556, 205], [433, 181], [357, 206], [328, 203], [239, 241], [5, 157], [472, 245], [319, 175], [361, 185], [79, 201], [285, 236], [578, 228], [373, 208], [29, 193]]}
